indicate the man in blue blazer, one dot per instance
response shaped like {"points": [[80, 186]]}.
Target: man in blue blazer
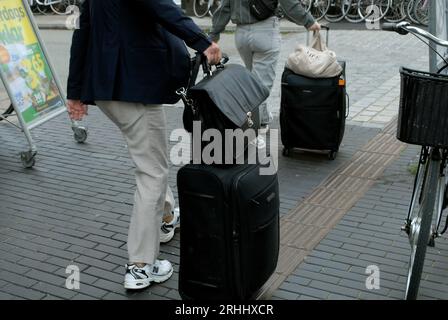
{"points": [[128, 57]]}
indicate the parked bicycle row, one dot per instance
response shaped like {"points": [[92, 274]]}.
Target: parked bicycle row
{"points": [[355, 11], [61, 7]]}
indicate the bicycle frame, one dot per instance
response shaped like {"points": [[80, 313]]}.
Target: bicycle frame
{"points": [[47, 2], [440, 157]]}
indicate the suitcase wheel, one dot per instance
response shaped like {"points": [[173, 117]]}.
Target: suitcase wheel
{"points": [[332, 155], [286, 152]]}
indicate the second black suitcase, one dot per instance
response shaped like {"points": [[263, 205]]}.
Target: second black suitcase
{"points": [[229, 240], [313, 112]]}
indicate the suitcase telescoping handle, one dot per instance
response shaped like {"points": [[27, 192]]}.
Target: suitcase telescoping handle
{"points": [[326, 28]]}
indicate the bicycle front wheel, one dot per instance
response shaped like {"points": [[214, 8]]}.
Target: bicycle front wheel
{"points": [[200, 8], [410, 11], [421, 220], [396, 12], [319, 8], [352, 14], [338, 10], [421, 11]]}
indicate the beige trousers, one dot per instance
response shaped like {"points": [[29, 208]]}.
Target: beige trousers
{"points": [[144, 128]]}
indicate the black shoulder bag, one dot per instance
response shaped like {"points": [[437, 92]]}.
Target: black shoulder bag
{"points": [[263, 9], [227, 98]]}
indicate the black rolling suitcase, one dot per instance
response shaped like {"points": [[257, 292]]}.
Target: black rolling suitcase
{"points": [[313, 112], [230, 231]]}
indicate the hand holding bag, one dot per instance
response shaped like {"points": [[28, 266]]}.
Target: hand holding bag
{"points": [[316, 61]]}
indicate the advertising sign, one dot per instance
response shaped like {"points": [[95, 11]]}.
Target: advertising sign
{"points": [[24, 67]]}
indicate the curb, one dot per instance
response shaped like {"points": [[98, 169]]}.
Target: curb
{"points": [[52, 27], [229, 28]]}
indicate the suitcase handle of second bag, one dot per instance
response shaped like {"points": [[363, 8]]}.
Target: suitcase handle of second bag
{"points": [[326, 28]]}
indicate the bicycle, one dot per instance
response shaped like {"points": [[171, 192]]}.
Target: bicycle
{"points": [[317, 8], [421, 11], [373, 10], [60, 7], [338, 10], [424, 91], [410, 11], [397, 11], [203, 7]]}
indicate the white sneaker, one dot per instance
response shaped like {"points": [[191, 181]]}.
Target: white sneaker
{"points": [[167, 229], [264, 129], [258, 142], [140, 278], [261, 143]]}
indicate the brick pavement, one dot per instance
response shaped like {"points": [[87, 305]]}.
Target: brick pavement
{"points": [[369, 234], [73, 207]]}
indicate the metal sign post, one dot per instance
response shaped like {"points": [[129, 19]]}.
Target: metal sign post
{"points": [[438, 25], [28, 75], [432, 29]]}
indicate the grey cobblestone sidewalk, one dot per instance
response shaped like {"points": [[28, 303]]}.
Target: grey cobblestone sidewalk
{"points": [[74, 206], [369, 234]]}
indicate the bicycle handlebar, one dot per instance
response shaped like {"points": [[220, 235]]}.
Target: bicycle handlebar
{"points": [[404, 28]]}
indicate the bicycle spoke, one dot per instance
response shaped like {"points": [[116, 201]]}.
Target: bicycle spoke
{"points": [[319, 8], [421, 11], [373, 10], [338, 10]]}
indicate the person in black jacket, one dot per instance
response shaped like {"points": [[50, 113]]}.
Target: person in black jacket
{"points": [[128, 58]]}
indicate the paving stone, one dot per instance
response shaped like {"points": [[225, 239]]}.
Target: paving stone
{"points": [[285, 295], [94, 253], [339, 289], [309, 275], [7, 296], [46, 277], [102, 274], [12, 278], [91, 290], [82, 297], [42, 266], [96, 262], [114, 287], [294, 288], [104, 240], [22, 292], [57, 291]]}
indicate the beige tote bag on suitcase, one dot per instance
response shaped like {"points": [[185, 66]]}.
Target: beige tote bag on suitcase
{"points": [[315, 61]]}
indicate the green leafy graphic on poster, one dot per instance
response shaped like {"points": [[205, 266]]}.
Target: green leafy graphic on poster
{"points": [[23, 64]]}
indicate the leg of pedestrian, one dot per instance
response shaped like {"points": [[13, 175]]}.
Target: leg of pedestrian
{"points": [[144, 128]]}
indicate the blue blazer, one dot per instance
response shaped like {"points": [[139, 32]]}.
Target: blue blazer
{"points": [[132, 51]]}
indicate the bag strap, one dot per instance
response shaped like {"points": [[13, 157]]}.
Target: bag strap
{"points": [[198, 61], [316, 42], [327, 35]]}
